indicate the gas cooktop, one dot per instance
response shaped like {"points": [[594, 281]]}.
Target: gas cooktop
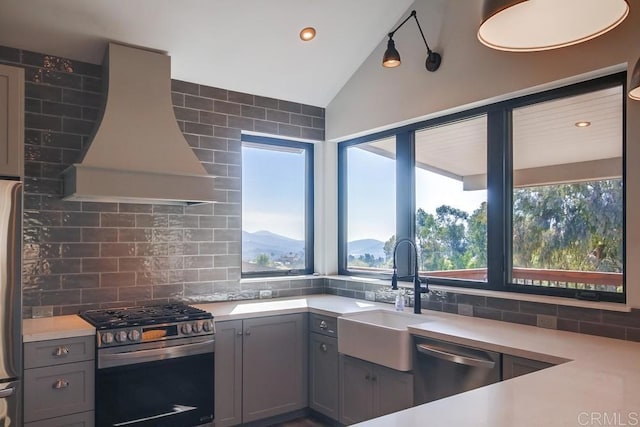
{"points": [[145, 315]]}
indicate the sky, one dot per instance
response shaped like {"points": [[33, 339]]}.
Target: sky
{"points": [[273, 189], [371, 195], [273, 193]]}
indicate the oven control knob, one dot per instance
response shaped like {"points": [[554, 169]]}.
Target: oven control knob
{"points": [[134, 335], [197, 327], [207, 325], [121, 336], [107, 338], [186, 328]]}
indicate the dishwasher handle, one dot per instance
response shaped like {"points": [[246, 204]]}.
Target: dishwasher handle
{"points": [[462, 359]]}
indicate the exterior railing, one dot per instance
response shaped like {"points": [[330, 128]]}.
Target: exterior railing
{"points": [[529, 276]]}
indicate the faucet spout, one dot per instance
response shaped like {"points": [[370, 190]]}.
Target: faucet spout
{"points": [[418, 289]]}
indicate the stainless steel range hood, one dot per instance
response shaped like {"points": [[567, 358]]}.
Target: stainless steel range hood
{"points": [[138, 153]]}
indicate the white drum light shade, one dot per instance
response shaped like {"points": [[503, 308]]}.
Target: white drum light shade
{"points": [[634, 87], [534, 25]]}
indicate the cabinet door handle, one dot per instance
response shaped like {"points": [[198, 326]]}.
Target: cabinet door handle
{"points": [[239, 333], [61, 352], [367, 377], [247, 332], [60, 384], [323, 347], [323, 325], [374, 378]]}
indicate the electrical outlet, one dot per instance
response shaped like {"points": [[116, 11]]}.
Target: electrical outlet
{"points": [[546, 321], [264, 294], [370, 295], [44, 311], [465, 309]]}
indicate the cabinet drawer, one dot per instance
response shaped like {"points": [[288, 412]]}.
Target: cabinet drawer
{"points": [[325, 325], [83, 419], [56, 352], [58, 390]]}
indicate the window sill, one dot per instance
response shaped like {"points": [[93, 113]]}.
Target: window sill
{"points": [[279, 278], [544, 299]]}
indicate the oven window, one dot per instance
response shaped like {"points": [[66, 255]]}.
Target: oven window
{"points": [[167, 393]]}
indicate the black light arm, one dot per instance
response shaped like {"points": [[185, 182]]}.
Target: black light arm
{"points": [[433, 58]]}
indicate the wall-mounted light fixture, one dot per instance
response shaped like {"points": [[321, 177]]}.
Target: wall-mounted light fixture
{"points": [[391, 56], [634, 87], [534, 25]]}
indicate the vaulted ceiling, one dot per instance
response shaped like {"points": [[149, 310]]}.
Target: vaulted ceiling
{"points": [[243, 45]]}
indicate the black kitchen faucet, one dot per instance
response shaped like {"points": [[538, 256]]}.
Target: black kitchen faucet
{"points": [[418, 289]]}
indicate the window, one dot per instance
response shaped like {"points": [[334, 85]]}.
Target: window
{"points": [[277, 207], [370, 200], [568, 192], [525, 195], [451, 199]]}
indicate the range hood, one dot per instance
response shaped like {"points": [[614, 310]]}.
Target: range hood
{"points": [[138, 153]]}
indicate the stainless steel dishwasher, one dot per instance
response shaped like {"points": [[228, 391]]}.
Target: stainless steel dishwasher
{"points": [[443, 369]]}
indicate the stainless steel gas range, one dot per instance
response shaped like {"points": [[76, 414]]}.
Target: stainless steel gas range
{"points": [[155, 366]]}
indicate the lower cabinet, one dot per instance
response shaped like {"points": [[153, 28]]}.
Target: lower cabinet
{"points": [[261, 368], [84, 419], [514, 366], [368, 390], [324, 375], [59, 383]]}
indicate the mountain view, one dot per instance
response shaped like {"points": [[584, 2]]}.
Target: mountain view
{"points": [[273, 250]]}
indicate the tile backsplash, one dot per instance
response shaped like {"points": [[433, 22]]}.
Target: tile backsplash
{"points": [[81, 255]]}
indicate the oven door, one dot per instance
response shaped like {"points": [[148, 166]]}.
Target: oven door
{"points": [[145, 386]]}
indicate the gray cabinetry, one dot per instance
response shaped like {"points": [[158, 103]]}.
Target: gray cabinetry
{"points": [[59, 383], [228, 373], [11, 120], [514, 366], [324, 367], [368, 390], [268, 357]]}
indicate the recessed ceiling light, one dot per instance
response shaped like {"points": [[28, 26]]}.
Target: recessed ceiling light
{"points": [[307, 34], [583, 124]]}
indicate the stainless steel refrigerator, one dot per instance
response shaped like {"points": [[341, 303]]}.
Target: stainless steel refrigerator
{"points": [[10, 303]]}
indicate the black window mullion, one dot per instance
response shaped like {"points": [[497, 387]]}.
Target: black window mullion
{"points": [[405, 198], [343, 215], [499, 179]]}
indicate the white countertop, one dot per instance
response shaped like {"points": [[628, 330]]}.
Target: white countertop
{"points": [[599, 383], [52, 328]]}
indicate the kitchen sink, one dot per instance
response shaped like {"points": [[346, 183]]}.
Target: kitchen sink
{"points": [[378, 336]]}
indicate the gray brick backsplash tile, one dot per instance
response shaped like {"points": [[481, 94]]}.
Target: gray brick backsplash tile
{"points": [[610, 331], [81, 255], [213, 92], [537, 308], [241, 98]]}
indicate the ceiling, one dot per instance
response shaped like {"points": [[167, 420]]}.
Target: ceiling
{"points": [[544, 134], [248, 46]]}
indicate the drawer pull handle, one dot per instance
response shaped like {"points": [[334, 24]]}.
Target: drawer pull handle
{"points": [[323, 325], [323, 347], [60, 384], [61, 352], [239, 333], [247, 332]]}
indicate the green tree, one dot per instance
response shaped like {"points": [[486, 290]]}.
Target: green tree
{"points": [[263, 260], [477, 238]]}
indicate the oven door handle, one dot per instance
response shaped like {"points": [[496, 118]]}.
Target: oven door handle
{"points": [[140, 356]]}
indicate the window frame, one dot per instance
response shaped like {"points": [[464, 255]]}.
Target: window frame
{"points": [[499, 190], [308, 149]]}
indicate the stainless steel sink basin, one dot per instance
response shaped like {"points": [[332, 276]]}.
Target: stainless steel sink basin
{"points": [[378, 336]]}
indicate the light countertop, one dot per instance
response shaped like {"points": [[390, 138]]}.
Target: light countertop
{"points": [[597, 379], [52, 328]]}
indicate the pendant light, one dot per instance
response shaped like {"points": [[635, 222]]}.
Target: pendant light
{"points": [[535, 25]]}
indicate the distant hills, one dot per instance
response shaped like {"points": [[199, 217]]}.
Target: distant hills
{"points": [[275, 245]]}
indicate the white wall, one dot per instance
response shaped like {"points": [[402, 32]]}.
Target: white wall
{"points": [[471, 74]]}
